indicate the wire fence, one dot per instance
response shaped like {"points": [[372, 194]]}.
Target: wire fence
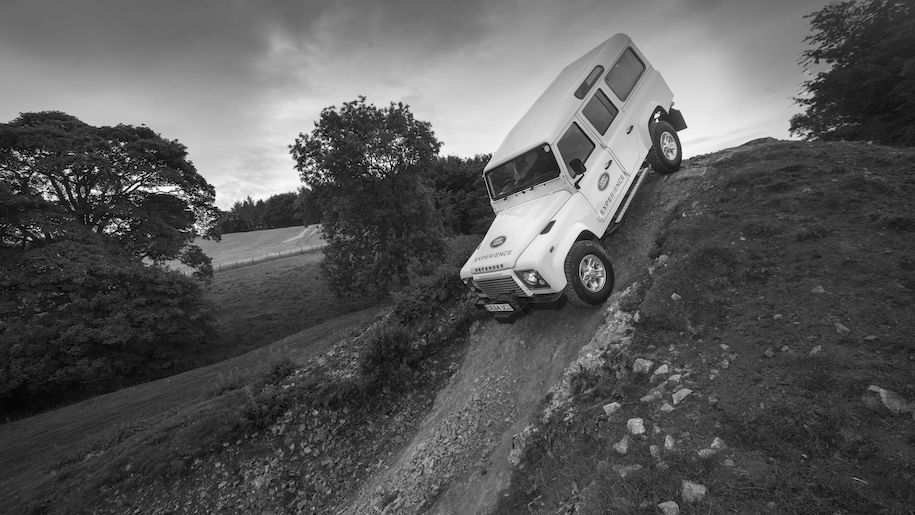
{"points": [[231, 265]]}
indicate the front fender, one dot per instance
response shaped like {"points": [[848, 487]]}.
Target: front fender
{"points": [[547, 253]]}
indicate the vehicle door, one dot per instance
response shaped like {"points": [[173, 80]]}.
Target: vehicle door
{"points": [[592, 168]]}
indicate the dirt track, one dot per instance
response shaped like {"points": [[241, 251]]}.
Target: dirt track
{"points": [[458, 462]]}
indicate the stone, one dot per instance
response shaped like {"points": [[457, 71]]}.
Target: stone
{"points": [[622, 446], [674, 296], [725, 347], [655, 451], [817, 289], [769, 353], [785, 348], [841, 329], [692, 492], [667, 408], [777, 316], [611, 408], [674, 379], [885, 402], [669, 508], [663, 369], [669, 443], [654, 394], [642, 366], [870, 338], [635, 426], [705, 453], [718, 444], [663, 259], [680, 395], [729, 463], [626, 470], [816, 350]]}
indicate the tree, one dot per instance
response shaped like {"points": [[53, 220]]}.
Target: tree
{"points": [[369, 167], [84, 316], [306, 206], [461, 194], [868, 91], [126, 182]]}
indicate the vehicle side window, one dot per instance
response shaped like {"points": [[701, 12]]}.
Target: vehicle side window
{"points": [[600, 111], [585, 87], [625, 73], [575, 144]]}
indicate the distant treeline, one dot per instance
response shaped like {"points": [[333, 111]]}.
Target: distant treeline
{"points": [[460, 197]]}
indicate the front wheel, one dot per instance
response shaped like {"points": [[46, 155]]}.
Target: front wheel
{"points": [[665, 153], [589, 274]]}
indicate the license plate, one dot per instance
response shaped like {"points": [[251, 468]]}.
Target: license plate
{"points": [[499, 307]]}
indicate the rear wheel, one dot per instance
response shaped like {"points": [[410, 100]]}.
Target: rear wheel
{"points": [[589, 274], [665, 153]]}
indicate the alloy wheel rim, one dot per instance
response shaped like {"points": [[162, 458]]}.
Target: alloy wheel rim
{"points": [[668, 146], [592, 273]]}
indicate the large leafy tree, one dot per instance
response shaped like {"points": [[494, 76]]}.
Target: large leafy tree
{"points": [[868, 89], [84, 316], [125, 182], [369, 168]]}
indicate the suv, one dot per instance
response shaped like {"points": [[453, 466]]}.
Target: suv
{"points": [[564, 177]]}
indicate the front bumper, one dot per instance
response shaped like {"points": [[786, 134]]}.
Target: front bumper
{"points": [[522, 305]]}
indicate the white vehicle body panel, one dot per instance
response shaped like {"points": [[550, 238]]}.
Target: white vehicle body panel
{"points": [[574, 206]]}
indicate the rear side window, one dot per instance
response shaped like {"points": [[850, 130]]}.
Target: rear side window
{"points": [[589, 82], [575, 144], [625, 73], [600, 111]]}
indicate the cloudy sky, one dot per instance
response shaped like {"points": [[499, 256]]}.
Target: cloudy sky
{"points": [[236, 81]]}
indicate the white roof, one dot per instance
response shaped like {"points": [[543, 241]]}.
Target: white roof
{"points": [[556, 106]]}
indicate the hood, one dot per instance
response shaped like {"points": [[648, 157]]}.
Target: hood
{"points": [[512, 231]]}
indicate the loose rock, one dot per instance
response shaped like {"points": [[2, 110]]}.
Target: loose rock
{"points": [[692, 492], [635, 426], [680, 395], [622, 446], [841, 329], [642, 366], [817, 289], [611, 408], [626, 470], [669, 508]]}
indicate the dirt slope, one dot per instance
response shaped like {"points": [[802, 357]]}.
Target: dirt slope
{"points": [[458, 462]]}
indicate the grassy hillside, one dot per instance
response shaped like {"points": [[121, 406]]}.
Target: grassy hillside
{"points": [[782, 289], [265, 302], [245, 248]]}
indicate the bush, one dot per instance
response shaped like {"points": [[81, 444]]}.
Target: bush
{"points": [[85, 318], [389, 358]]}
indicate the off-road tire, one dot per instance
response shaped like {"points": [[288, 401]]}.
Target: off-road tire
{"points": [[665, 153], [589, 274]]}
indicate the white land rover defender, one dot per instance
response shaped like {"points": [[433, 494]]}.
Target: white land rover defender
{"points": [[564, 177]]}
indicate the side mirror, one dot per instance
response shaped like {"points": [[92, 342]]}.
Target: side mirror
{"points": [[578, 168]]}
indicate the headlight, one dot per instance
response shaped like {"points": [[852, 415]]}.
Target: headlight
{"points": [[532, 279]]}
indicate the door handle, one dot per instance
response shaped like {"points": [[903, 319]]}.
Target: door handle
{"points": [[609, 162], [629, 129]]}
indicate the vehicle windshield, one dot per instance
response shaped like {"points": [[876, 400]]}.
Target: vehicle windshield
{"points": [[529, 169]]}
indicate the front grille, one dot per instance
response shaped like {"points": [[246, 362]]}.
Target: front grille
{"points": [[500, 285]]}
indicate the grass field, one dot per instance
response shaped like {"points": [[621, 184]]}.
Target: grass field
{"points": [[268, 301], [241, 248]]}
